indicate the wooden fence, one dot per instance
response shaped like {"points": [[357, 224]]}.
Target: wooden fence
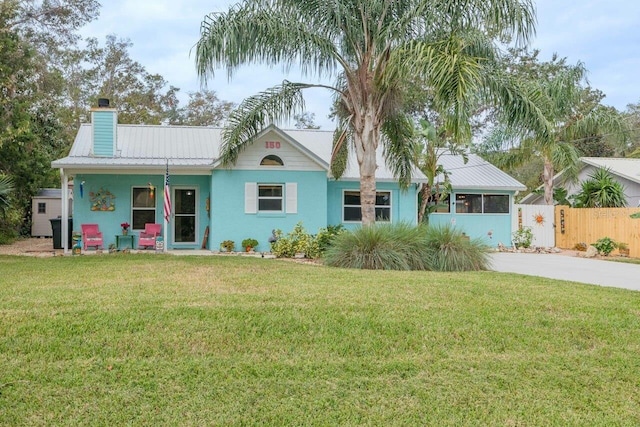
{"points": [[587, 225]]}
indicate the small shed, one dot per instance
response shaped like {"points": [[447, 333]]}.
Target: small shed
{"points": [[45, 206]]}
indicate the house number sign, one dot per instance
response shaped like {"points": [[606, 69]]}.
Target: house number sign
{"points": [[272, 144]]}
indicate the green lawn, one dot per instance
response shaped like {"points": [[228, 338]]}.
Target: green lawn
{"points": [[162, 340]]}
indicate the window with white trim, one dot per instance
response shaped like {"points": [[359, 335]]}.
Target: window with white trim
{"points": [[270, 197], [143, 207], [352, 208], [482, 203]]}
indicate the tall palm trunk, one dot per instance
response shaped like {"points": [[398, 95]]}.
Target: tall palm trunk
{"points": [[366, 141], [547, 177], [425, 192]]}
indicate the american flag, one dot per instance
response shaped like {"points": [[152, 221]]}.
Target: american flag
{"points": [[167, 196]]}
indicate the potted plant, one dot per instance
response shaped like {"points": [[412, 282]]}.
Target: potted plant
{"points": [[227, 245], [623, 249], [249, 244], [125, 228]]}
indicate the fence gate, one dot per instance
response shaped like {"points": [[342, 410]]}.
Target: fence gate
{"points": [[541, 220]]}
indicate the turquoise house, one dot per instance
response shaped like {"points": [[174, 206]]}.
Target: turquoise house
{"points": [[481, 202], [283, 178]]}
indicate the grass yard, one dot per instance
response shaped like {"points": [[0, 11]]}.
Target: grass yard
{"points": [[163, 340]]}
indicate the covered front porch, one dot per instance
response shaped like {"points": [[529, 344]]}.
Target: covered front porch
{"points": [[113, 200]]}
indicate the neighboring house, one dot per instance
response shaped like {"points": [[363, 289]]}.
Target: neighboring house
{"points": [[625, 171], [280, 180], [46, 205], [481, 203]]}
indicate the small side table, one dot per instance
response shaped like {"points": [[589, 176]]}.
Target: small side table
{"points": [[127, 239]]}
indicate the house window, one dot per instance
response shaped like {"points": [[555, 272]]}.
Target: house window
{"points": [[352, 209], [442, 206], [42, 208], [482, 203], [495, 203], [271, 160], [270, 197], [143, 208]]}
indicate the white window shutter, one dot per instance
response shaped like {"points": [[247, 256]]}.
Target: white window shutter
{"points": [[291, 190], [250, 197]]}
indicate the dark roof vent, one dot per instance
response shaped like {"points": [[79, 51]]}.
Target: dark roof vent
{"points": [[103, 103]]}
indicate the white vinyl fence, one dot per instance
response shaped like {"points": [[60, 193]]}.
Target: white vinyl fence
{"points": [[541, 220]]}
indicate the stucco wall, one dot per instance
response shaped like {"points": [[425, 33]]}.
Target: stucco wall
{"points": [[490, 228], [403, 203], [230, 222]]}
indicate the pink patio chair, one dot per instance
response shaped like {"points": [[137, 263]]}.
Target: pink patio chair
{"points": [[91, 236], [148, 236]]}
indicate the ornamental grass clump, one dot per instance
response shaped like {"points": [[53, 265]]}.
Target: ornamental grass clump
{"points": [[448, 249], [379, 247]]}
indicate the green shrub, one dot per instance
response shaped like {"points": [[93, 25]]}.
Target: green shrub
{"points": [[407, 247], [326, 236], [10, 223], [448, 249], [228, 245], [522, 238], [380, 247], [605, 246], [249, 243], [295, 242]]}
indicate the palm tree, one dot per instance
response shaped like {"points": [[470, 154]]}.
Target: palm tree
{"points": [[433, 144], [369, 48], [569, 119], [6, 187]]}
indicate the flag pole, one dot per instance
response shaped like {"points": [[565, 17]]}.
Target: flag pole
{"points": [[166, 207]]}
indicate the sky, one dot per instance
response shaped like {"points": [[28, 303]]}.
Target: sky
{"points": [[602, 34]]}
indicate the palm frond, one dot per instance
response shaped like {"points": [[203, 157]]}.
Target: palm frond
{"points": [[255, 113], [342, 140], [399, 147], [565, 157], [6, 188], [259, 32]]}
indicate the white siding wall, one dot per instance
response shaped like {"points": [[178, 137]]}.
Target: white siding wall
{"points": [[292, 158]]}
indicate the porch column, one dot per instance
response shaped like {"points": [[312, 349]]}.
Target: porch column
{"points": [[64, 199]]}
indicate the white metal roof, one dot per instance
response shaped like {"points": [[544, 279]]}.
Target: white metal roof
{"points": [[627, 168], [146, 147], [623, 167], [477, 173]]}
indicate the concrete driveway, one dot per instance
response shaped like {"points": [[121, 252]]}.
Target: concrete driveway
{"points": [[564, 267]]}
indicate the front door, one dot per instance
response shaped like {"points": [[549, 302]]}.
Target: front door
{"points": [[184, 219]]}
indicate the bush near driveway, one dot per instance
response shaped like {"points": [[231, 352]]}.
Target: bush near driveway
{"points": [[402, 246]]}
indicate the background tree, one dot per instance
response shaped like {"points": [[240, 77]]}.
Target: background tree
{"points": [[204, 108], [305, 121], [369, 48], [632, 115], [572, 115], [432, 145], [139, 96]]}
